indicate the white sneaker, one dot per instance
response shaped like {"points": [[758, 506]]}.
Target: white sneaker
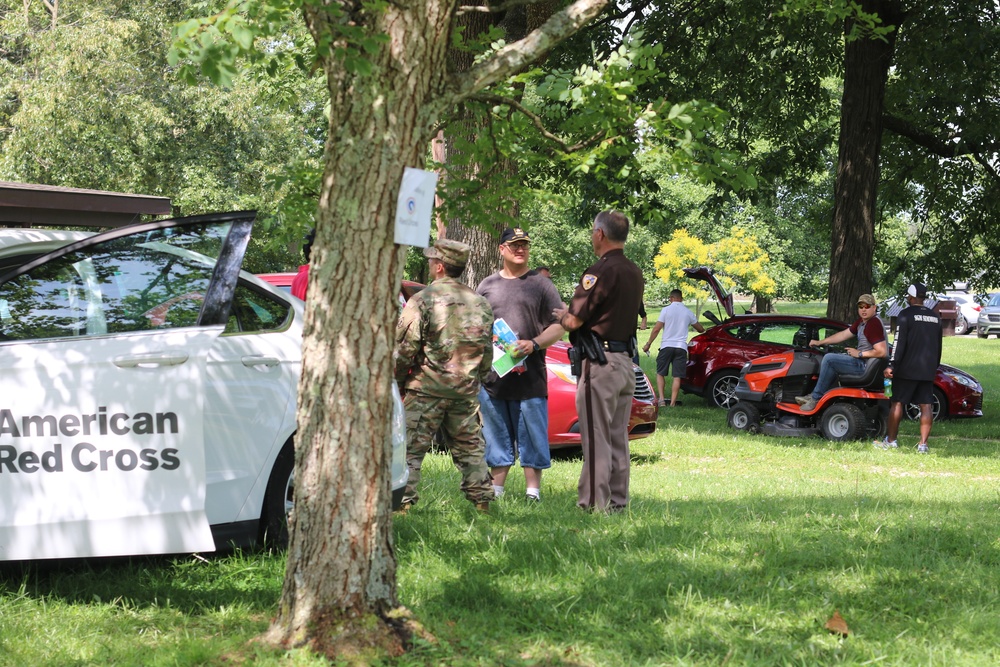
{"points": [[885, 444], [922, 448]]}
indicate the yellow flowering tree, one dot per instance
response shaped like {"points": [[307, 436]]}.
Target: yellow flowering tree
{"points": [[738, 261]]}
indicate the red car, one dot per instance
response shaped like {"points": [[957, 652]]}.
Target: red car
{"points": [[284, 281], [716, 356], [563, 421]]}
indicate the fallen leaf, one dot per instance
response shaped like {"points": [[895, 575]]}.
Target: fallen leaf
{"points": [[837, 625]]}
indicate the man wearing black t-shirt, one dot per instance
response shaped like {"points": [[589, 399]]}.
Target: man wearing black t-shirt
{"points": [[515, 407], [913, 365]]}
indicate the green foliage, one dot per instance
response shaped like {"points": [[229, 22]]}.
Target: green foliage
{"points": [[92, 103], [862, 24], [583, 127]]}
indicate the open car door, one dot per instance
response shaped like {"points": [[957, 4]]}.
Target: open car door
{"points": [[103, 347]]}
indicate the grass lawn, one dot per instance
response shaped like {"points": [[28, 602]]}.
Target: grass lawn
{"points": [[735, 550]]}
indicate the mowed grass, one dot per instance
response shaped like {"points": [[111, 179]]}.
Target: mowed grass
{"points": [[736, 549]]}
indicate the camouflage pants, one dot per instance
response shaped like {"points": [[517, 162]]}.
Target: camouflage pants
{"points": [[459, 419]]}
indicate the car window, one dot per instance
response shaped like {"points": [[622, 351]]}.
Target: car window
{"points": [[780, 333], [255, 311], [124, 284], [994, 301]]}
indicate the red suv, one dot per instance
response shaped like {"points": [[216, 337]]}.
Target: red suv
{"points": [[564, 430], [716, 356]]}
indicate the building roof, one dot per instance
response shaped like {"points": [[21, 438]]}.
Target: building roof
{"points": [[31, 204]]}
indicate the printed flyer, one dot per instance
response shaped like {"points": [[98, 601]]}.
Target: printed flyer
{"points": [[504, 341]]}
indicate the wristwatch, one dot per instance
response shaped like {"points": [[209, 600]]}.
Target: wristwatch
{"points": [[534, 344]]}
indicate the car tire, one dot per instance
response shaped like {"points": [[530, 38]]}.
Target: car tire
{"points": [[744, 417], [961, 325], [843, 422], [939, 407], [278, 499], [721, 389]]}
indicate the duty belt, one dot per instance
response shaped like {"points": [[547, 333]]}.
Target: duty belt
{"points": [[615, 345]]}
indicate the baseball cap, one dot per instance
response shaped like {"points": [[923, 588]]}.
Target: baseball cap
{"points": [[917, 290], [513, 234], [448, 251], [867, 298]]}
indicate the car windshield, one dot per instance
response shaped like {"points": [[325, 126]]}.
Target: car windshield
{"points": [[994, 301]]}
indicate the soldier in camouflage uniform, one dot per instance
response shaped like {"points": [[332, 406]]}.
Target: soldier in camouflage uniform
{"points": [[443, 352]]}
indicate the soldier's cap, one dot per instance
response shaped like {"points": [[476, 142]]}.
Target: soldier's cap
{"points": [[448, 251], [867, 298], [917, 290], [513, 234]]}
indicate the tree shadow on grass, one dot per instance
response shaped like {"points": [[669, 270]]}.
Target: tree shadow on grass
{"points": [[705, 581]]}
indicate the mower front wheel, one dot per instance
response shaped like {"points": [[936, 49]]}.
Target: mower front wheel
{"points": [[843, 422], [744, 417]]}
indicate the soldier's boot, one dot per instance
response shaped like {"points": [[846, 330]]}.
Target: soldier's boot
{"points": [[483, 507]]}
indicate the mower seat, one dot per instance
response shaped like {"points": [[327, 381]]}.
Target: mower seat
{"points": [[870, 378]]}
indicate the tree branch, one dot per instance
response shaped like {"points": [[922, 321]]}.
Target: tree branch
{"points": [[940, 146], [539, 124], [515, 57]]}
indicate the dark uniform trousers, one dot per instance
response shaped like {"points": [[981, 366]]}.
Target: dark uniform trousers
{"points": [[604, 402]]}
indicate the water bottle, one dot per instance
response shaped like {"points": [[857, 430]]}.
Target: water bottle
{"points": [[888, 387]]}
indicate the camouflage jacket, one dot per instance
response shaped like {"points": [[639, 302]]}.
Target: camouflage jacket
{"points": [[444, 341]]}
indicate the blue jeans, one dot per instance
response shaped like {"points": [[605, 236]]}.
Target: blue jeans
{"points": [[513, 428], [833, 366]]}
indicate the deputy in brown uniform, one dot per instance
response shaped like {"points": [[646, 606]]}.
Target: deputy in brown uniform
{"points": [[604, 310]]}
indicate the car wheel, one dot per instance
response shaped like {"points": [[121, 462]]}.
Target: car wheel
{"points": [[744, 417], [939, 407], [842, 422], [721, 390], [961, 326], [279, 498], [981, 334]]}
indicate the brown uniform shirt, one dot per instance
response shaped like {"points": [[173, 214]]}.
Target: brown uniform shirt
{"points": [[608, 297]]}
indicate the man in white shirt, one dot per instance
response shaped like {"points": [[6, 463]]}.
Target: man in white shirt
{"points": [[674, 321]]}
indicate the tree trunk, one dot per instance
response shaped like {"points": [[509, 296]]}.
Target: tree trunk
{"points": [[866, 70], [482, 235], [340, 585]]}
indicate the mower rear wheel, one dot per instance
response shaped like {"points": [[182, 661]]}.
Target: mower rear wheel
{"points": [[744, 417], [842, 422]]}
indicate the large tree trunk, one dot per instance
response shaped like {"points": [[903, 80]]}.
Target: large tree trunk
{"points": [[340, 581], [866, 68], [340, 585], [482, 235]]}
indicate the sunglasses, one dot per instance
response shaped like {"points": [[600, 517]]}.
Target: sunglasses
{"points": [[866, 305]]}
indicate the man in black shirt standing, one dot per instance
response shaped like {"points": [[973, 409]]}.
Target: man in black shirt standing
{"points": [[916, 355]]}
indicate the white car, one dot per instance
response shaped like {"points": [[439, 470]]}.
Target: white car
{"points": [[968, 311], [149, 392]]}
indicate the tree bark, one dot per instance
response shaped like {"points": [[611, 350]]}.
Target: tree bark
{"points": [[339, 592], [866, 71]]}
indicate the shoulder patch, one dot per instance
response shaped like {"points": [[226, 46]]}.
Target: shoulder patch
{"points": [[588, 281]]}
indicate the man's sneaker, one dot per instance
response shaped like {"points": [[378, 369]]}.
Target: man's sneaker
{"points": [[922, 448], [808, 405], [801, 400], [532, 499], [886, 444]]}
